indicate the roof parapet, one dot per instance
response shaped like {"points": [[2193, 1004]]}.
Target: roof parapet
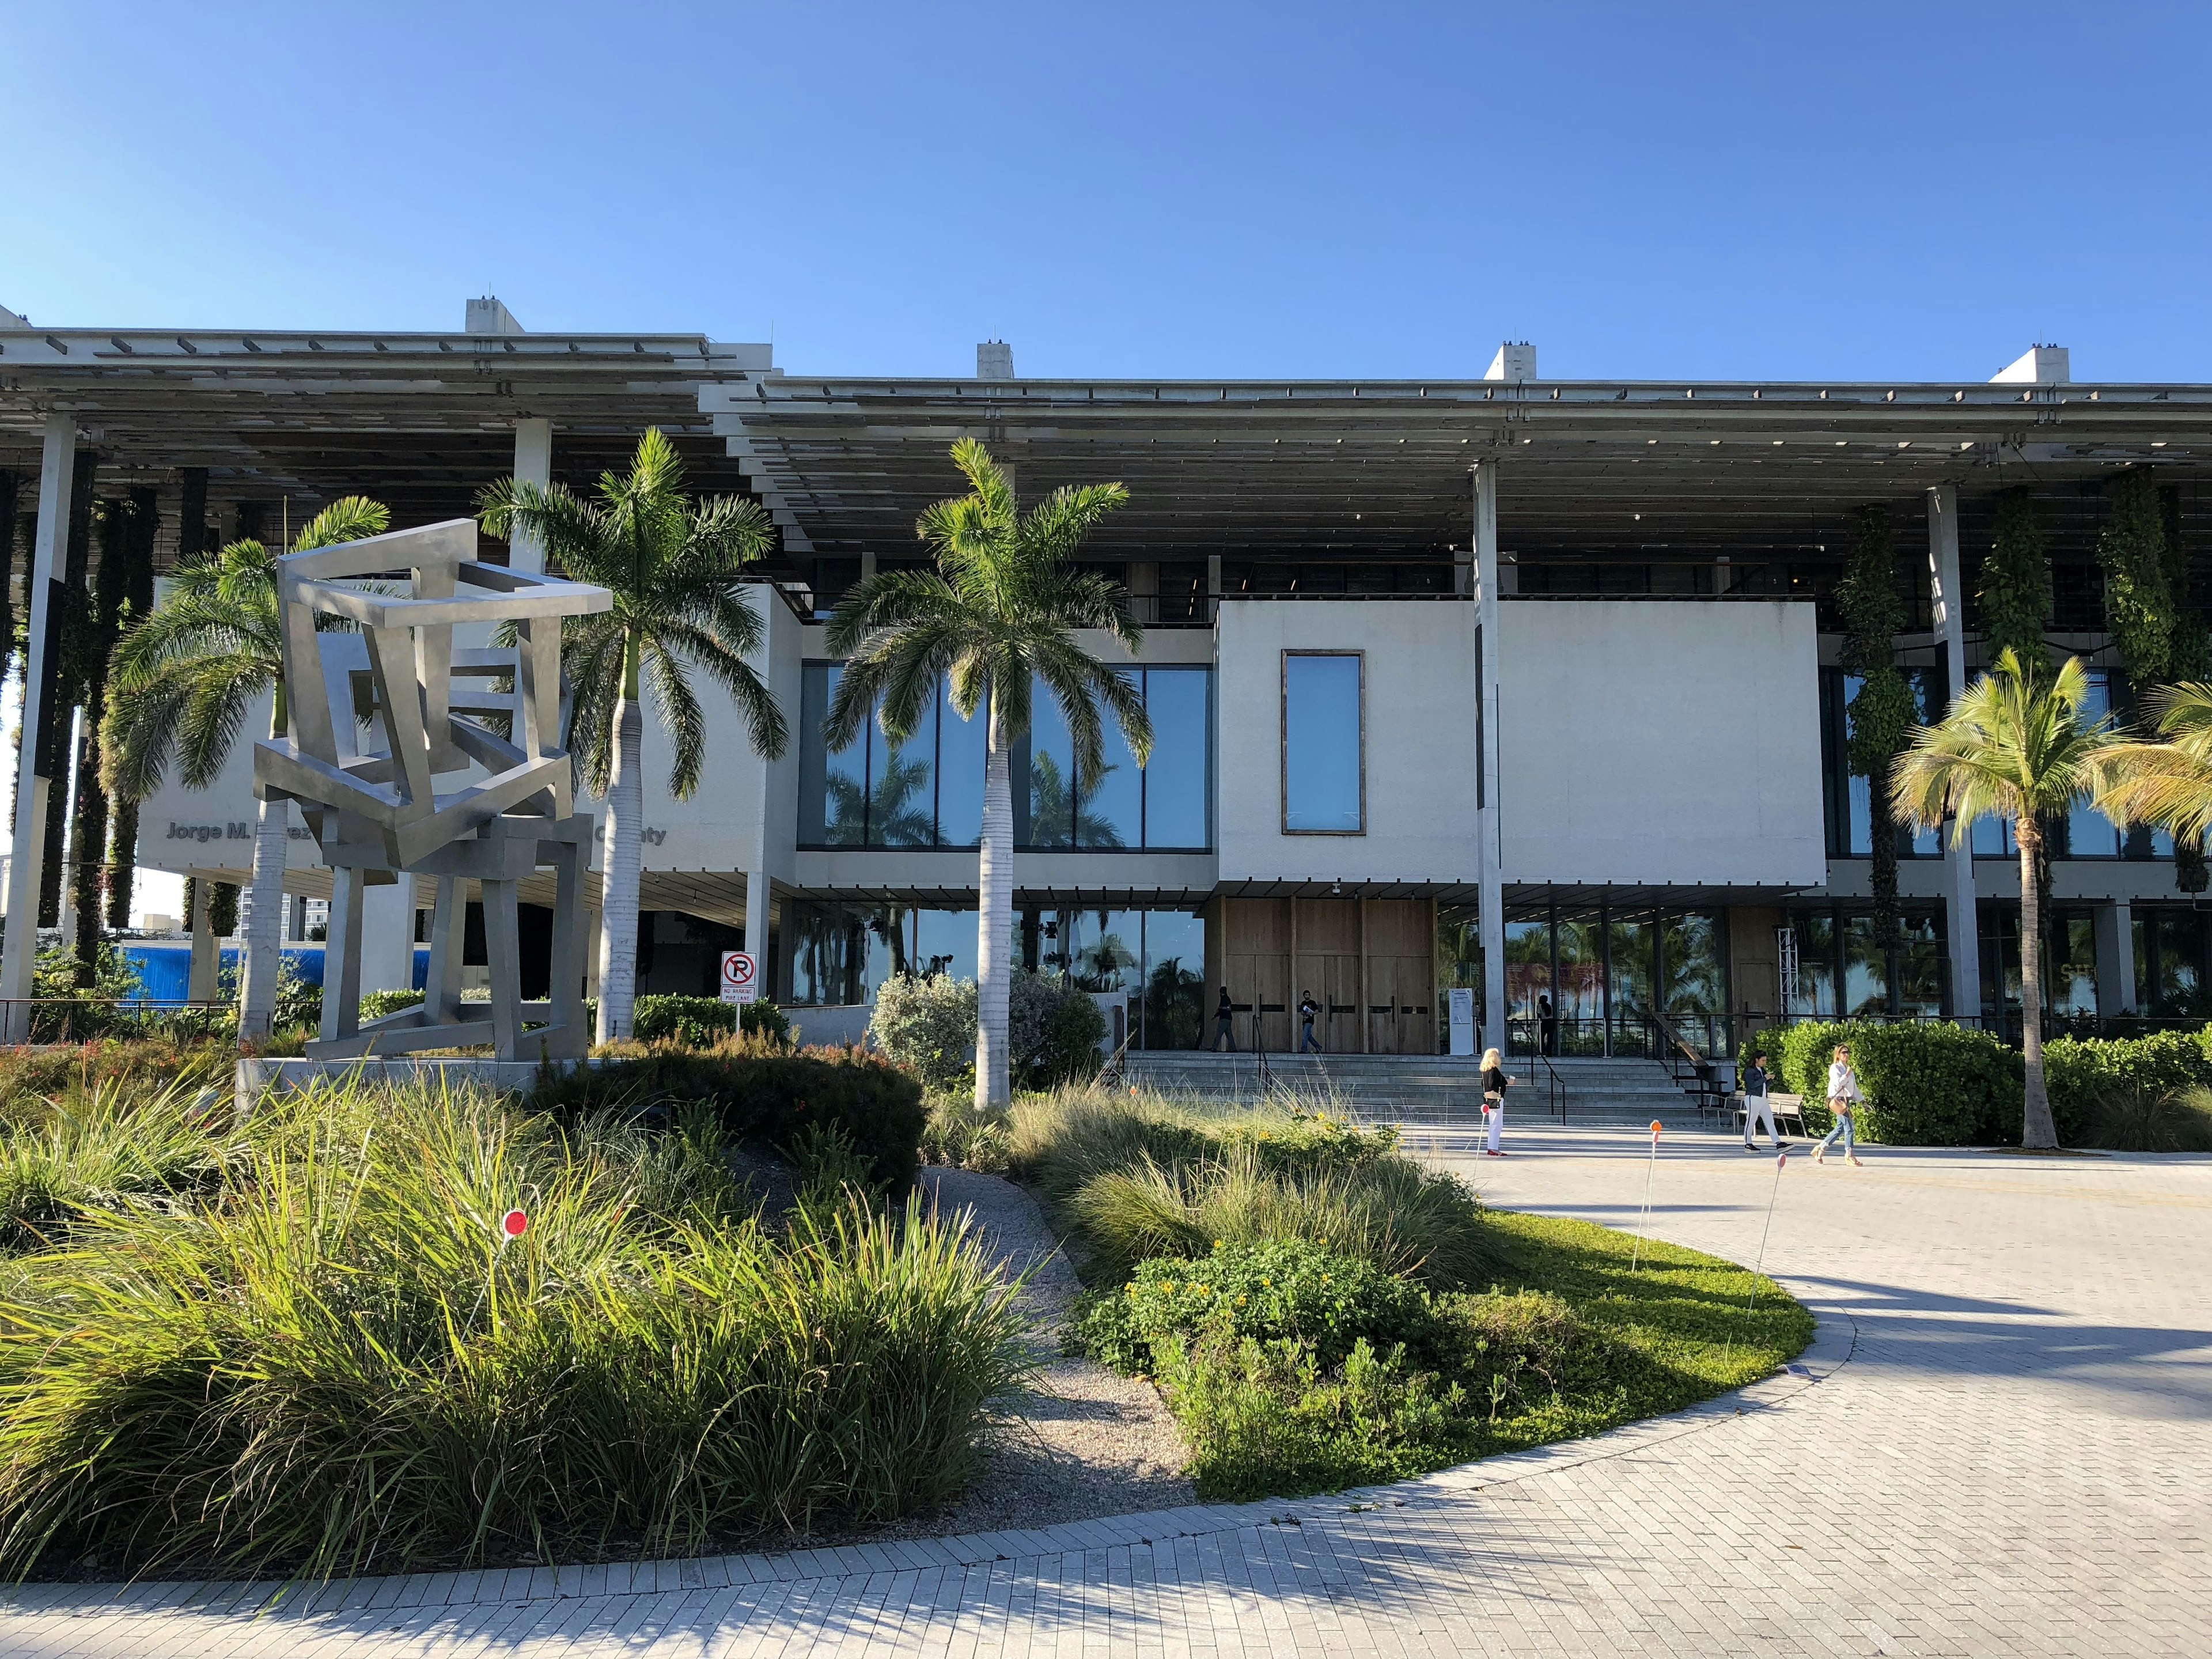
{"points": [[2040, 365], [489, 316], [1516, 361], [994, 360]]}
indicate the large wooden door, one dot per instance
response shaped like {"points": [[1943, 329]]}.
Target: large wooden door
{"points": [[1328, 965], [1256, 963], [1401, 980]]}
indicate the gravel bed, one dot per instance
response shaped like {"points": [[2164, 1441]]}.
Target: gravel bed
{"points": [[1081, 1441]]}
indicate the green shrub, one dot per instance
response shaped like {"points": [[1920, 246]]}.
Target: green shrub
{"points": [[1069, 1048], [375, 1005], [1265, 1418], [2137, 1117], [703, 1022], [2086, 1076], [1927, 1083], [33, 1081], [1517, 1348], [1288, 1288], [340, 1368], [765, 1094], [927, 1024]]}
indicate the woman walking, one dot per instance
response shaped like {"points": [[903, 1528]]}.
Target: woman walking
{"points": [[1493, 1100], [1844, 1100]]}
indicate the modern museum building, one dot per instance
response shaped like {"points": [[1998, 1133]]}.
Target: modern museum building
{"points": [[1537, 687]]}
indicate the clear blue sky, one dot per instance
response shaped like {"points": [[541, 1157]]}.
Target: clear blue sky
{"points": [[1771, 189]]}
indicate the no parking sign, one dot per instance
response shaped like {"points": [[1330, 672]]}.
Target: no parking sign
{"points": [[740, 977]]}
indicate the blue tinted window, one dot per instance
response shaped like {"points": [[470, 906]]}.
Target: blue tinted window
{"points": [[1177, 781], [1052, 800], [960, 756], [945, 943], [1175, 979], [833, 790], [1113, 803], [1322, 760], [902, 792]]}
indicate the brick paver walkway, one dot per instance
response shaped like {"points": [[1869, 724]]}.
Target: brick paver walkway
{"points": [[2001, 1444]]}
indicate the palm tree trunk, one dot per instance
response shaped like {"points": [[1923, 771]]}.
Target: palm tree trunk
{"points": [[619, 868], [994, 920], [2037, 1130]]}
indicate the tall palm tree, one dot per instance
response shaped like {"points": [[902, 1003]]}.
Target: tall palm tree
{"points": [[1000, 610], [182, 682], [2014, 744], [672, 566]]}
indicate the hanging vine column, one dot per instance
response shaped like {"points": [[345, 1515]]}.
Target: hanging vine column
{"points": [[1884, 710]]}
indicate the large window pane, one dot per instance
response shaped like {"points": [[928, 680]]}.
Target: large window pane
{"points": [[2179, 988], [1632, 943], [1920, 966], [1694, 955], [902, 795], [2072, 974], [1814, 997], [1175, 979], [1321, 759], [839, 953], [1176, 780], [2089, 833], [1527, 977], [1579, 995], [832, 787], [961, 753], [1866, 969], [945, 943], [1114, 802], [1052, 803]]}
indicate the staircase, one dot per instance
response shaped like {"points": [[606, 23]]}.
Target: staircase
{"points": [[1422, 1088]]}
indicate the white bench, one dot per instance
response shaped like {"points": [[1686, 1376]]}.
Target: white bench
{"points": [[1785, 1109]]}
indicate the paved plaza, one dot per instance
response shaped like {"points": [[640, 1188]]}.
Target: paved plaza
{"points": [[2001, 1443]]}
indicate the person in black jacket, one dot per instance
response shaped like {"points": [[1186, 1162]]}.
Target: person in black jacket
{"points": [[1224, 1023], [1308, 1011], [1493, 1100]]}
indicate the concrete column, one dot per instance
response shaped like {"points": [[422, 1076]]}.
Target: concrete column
{"points": [[1944, 589], [2114, 924], [1491, 916], [533, 463], [35, 764], [757, 893]]}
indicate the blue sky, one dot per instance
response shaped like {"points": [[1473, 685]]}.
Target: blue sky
{"points": [[1645, 190]]}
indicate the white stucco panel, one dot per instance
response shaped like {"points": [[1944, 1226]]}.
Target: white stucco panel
{"points": [[1418, 671], [1648, 742]]}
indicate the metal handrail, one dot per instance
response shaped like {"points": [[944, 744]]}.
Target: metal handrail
{"points": [[1117, 1064], [1557, 1086], [20, 1016]]}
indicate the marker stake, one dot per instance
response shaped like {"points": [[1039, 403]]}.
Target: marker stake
{"points": [[1636, 1259]]}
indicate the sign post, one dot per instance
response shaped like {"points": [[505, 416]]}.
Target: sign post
{"points": [[1461, 1000], [740, 977]]}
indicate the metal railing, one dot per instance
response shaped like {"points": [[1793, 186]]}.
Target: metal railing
{"points": [[49, 1020], [1555, 1087]]}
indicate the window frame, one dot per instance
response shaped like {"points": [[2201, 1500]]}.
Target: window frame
{"points": [[1283, 735]]}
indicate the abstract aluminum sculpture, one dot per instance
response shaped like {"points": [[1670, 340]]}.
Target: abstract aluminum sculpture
{"points": [[375, 807]]}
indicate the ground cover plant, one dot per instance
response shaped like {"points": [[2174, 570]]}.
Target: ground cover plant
{"points": [[331, 1363], [1320, 1311]]}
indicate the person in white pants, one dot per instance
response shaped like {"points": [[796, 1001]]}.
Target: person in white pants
{"points": [[1758, 1108], [1493, 1100]]}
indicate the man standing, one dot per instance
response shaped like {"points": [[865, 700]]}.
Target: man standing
{"points": [[1308, 1010]]}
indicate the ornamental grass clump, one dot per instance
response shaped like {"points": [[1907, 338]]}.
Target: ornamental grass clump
{"points": [[338, 1363], [106, 1148]]}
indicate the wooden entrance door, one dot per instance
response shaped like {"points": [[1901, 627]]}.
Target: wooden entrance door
{"points": [[1328, 965], [1401, 978]]}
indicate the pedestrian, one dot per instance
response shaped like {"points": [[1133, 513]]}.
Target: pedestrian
{"points": [[1547, 1025], [1843, 1100], [1224, 1023], [1493, 1100], [1758, 1107], [1308, 1011]]}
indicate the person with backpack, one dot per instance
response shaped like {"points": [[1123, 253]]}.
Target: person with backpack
{"points": [[1845, 1098]]}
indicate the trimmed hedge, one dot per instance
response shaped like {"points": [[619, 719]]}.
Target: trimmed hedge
{"points": [[703, 1021], [766, 1094], [1927, 1083], [1930, 1083]]}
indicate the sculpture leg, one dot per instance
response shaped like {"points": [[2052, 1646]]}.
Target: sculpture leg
{"points": [[502, 950], [342, 956], [565, 991], [442, 987]]}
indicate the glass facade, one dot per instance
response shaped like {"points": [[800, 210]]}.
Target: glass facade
{"points": [[1588, 980], [840, 954], [1324, 775], [1849, 800], [928, 791], [1842, 974]]}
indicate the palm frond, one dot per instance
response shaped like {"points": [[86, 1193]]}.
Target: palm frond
{"points": [[764, 717], [677, 705], [348, 518]]}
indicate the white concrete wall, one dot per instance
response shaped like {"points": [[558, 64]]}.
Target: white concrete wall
{"points": [[1661, 743], [1420, 744]]}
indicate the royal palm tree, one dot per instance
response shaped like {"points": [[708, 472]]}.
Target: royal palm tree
{"points": [[999, 613], [672, 566], [181, 683], [2014, 744]]}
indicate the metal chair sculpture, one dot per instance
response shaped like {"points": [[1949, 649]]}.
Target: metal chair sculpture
{"points": [[380, 816]]}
